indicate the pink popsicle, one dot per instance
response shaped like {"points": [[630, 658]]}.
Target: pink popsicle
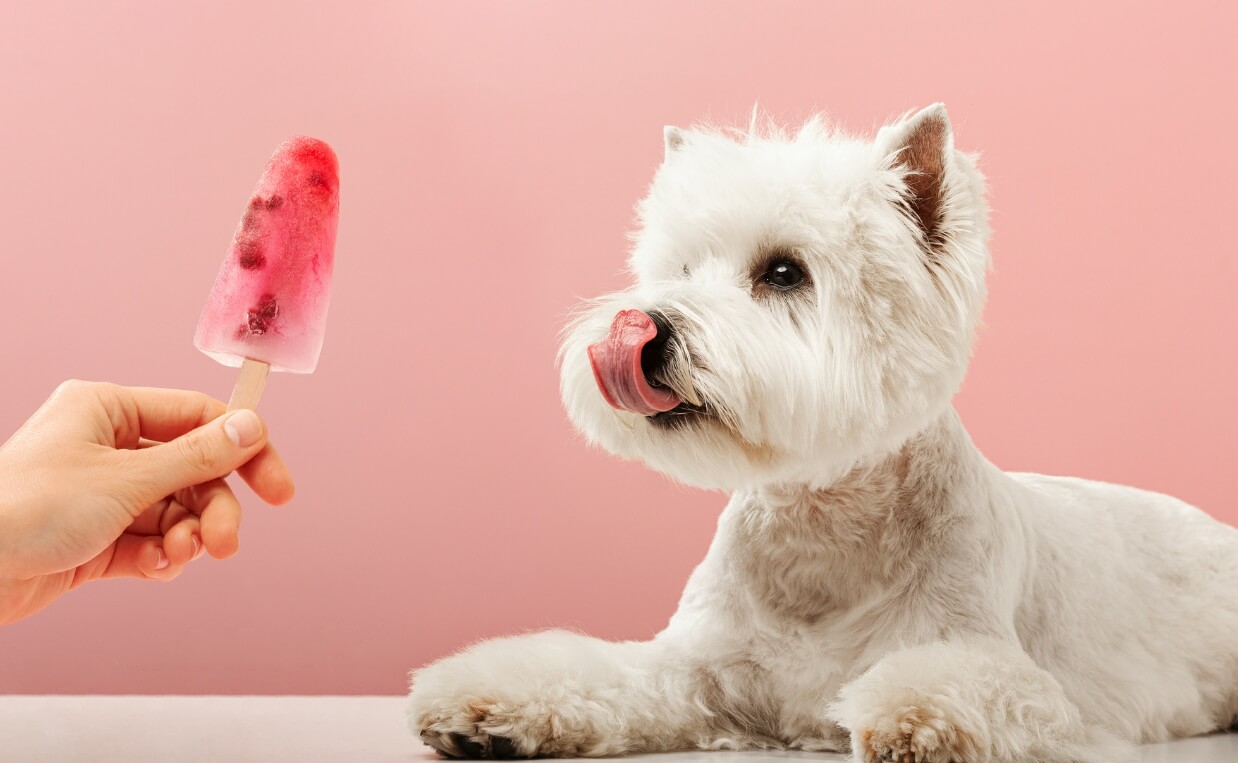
{"points": [[269, 302]]}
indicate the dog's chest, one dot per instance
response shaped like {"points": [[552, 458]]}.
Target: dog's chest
{"points": [[802, 566], [819, 597]]}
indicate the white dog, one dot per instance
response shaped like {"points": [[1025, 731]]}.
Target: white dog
{"points": [[802, 314]]}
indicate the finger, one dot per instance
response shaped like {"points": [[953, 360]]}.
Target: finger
{"points": [[210, 451], [151, 412], [159, 517], [267, 475], [182, 541], [136, 556], [219, 513], [165, 414], [176, 523]]}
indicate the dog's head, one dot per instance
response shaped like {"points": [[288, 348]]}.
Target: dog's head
{"points": [[800, 304]]}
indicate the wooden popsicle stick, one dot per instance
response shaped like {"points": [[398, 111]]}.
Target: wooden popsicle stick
{"points": [[249, 384]]}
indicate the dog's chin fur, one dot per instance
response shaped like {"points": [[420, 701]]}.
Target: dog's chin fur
{"points": [[875, 584]]}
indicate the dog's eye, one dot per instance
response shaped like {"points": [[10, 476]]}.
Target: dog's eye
{"points": [[783, 274]]}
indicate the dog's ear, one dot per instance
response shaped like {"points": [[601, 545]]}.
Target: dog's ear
{"points": [[923, 144], [672, 139]]}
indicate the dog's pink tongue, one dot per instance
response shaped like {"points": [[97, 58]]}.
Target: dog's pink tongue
{"points": [[617, 367]]}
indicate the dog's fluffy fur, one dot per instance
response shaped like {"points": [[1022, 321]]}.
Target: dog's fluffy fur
{"points": [[875, 583]]}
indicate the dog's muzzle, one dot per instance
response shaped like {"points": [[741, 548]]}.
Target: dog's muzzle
{"points": [[622, 363]]}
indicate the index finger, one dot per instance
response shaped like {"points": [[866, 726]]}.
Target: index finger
{"points": [[155, 413], [267, 475]]}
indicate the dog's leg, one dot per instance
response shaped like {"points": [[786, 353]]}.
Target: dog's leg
{"points": [[555, 694], [963, 702]]}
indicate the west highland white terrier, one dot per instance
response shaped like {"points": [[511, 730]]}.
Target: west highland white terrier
{"points": [[802, 313]]}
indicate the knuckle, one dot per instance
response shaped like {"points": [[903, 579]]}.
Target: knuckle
{"points": [[71, 388], [197, 453], [78, 389]]}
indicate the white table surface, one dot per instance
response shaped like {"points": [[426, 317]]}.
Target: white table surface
{"points": [[35, 729]]}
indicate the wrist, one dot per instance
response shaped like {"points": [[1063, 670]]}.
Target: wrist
{"points": [[20, 526]]}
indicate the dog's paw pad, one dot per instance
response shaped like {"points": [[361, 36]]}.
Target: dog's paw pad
{"points": [[479, 746], [467, 747], [502, 748], [494, 730]]}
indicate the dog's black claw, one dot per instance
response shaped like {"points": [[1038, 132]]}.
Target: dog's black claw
{"points": [[467, 747], [502, 748]]}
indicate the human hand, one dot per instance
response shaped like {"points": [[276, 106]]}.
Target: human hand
{"points": [[106, 481]]}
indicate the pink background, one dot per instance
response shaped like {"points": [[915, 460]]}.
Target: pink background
{"points": [[491, 154]]}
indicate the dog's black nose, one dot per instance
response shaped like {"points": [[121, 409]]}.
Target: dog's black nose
{"points": [[653, 356]]}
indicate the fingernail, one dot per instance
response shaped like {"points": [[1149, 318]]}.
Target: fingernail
{"points": [[243, 428], [197, 548], [161, 561]]}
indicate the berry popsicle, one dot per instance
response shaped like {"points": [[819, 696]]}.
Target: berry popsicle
{"points": [[268, 307]]}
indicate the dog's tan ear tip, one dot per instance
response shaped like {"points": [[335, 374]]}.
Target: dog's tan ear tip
{"points": [[672, 139], [929, 125], [934, 114]]}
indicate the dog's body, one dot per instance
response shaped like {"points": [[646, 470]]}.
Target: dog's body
{"points": [[875, 582]]}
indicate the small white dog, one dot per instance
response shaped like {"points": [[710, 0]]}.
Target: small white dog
{"points": [[802, 314]]}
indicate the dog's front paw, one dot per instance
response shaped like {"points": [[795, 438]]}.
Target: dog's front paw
{"points": [[523, 697], [479, 722], [913, 735], [955, 702], [481, 728]]}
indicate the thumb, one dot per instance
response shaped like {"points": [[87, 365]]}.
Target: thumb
{"points": [[214, 449]]}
